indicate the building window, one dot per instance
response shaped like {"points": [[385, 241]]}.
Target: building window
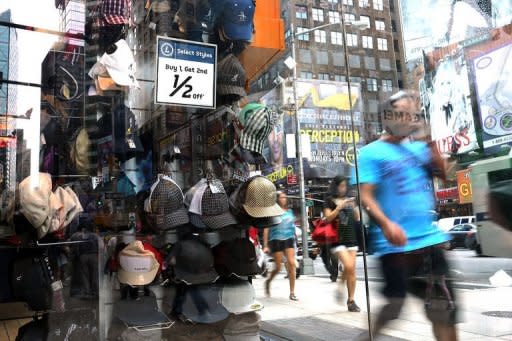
{"points": [[322, 57], [301, 12], [348, 2], [350, 17], [351, 39], [355, 80], [396, 46], [305, 56], [340, 78], [306, 75], [336, 38], [382, 44], [369, 63], [365, 19], [304, 36], [387, 85], [323, 76], [380, 25], [364, 3], [334, 17], [367, 42], [318, 14], [398, 66], [320, 36], [385, 64], [393, 25], [371, 84], [338, 59], [354, 61], [378, 5], [333, 1]]}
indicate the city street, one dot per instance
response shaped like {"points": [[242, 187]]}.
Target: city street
{"points": [[317, 315]]}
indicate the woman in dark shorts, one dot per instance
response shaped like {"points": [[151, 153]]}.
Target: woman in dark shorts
{"points": [[340, 210], [280, 240]]}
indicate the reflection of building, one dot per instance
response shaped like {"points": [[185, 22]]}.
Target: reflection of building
{"points": [[375, 54], [8, 96], [72, 13]]}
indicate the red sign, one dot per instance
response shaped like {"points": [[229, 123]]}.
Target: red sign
{"points": [[447, 193], [291, 179]]}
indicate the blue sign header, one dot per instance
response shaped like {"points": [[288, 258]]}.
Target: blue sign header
{"points": [[186, 50]]}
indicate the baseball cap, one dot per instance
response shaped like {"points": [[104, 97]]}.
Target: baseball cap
{"points": [[236, 257], [193, 262], [208, 200], [120, 64], [137, 266], [35, 198], [237, 19], [244, 327], [257, 128], [260, 200], [247, 111], [239, 298], [201, 304], [231, 77], [166, 199], [142, 311]]}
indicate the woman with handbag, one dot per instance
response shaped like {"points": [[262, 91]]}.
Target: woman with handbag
{"points": [[339, 209], [281, 241]]}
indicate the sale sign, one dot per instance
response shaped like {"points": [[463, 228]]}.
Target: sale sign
{"points": [[464, 187]]}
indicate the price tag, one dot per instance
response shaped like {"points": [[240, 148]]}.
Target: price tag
{"points": [[216, 187], [131, 143]]}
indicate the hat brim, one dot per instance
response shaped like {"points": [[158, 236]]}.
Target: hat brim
{"points": [[225, 89], [126, 311], [263, 212], [232, 267], [196, 221], [219, 221], [142, 278], [175, 219], [254, 306], [237, 32], [266, 222], [195, 279]]}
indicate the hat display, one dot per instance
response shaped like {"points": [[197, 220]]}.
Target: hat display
{"points": [[193, 262], [258, 126], [35, 198], [260, 199], [214, 238], [231, 77], [239, 298], [79, 153], [236, 257], [142, 311], [201, 304], [137, 266], [166, 198], [237, 19], [208, 200], [120, 64], [244, 327]]}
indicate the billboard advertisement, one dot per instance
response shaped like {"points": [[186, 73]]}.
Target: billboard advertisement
{"points": [[494, 95], [325, 127], [464, 187], [446, 99]]}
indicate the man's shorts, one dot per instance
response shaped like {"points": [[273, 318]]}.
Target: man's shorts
{"points": [[425, 274], [280, 245]]}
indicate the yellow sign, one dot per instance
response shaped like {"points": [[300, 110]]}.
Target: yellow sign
{"points": [[464, 187]]}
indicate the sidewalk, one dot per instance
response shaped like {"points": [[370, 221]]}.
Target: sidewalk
{"points": [[317, 316]]}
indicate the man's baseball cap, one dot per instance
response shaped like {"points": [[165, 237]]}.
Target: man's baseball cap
{"points": [[137, 265], [231, 77], [239, 297], [260, 200], [209, 201], [236, 257], [142, 311], [166, 199], [201, 304], [236, 19], [257, 128], [35, 198], [193, 262]]}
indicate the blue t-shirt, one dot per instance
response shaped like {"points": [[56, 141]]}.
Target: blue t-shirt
{"points": [[403, 191], [284, 230]]}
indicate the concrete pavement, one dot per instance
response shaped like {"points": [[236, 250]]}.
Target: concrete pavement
{"points": [[317, 316]]}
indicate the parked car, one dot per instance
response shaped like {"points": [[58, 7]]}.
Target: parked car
{"points": [[446, 224], [472, 242], [459, 234]]}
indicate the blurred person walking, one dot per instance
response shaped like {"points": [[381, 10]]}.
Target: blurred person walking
{"points": [[395, 176], [339, 209], [280, 241]]}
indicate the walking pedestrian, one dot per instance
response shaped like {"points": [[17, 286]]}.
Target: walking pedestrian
{"points": [[280, 241], [395, 174], [339, 208]]}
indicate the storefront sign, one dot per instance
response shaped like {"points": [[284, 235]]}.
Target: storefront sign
{"points": [[464, 187], [447, 193], [185, 73], [292, 179]]}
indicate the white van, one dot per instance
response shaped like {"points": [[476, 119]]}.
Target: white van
{"points": [[446, 224]]}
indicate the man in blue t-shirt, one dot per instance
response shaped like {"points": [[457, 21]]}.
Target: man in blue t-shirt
{"points": [[395, 173]]}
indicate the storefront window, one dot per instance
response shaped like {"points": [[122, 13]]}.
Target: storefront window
{"points": [[255, 170]]}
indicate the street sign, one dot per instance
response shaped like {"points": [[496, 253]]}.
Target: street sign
{"points": [[185, 73], [291, 179]]}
